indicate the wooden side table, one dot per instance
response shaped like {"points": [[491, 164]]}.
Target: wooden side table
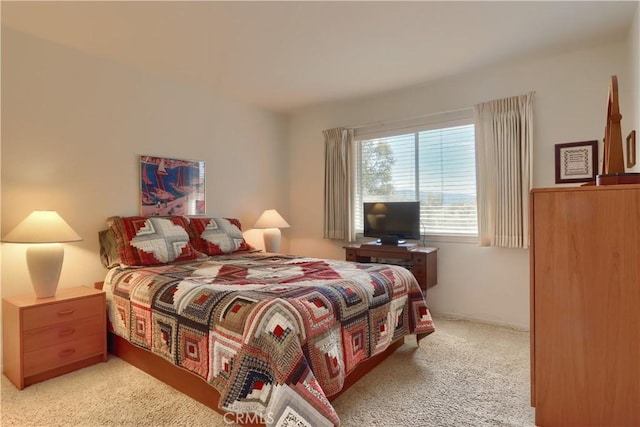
{"points": [[422, 261], [47, 337]]}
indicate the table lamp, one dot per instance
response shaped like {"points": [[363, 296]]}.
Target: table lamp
{"points": [[43, 231], [272, 222]]}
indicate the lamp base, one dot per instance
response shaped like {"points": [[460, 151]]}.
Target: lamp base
{"points": [[272, 239], [45, 263]]}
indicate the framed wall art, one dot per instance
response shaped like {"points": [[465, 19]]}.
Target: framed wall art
{"points": [[171, 187], [576, 162], [631, 149]]}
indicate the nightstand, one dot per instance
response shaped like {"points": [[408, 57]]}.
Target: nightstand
{"points": [[47, 337]]}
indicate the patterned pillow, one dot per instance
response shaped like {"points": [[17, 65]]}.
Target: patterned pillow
{"points": [[217, 236], [144, 241]]}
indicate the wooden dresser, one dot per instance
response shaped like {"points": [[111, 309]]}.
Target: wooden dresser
{"points": [[585, 305], [46, 337]]}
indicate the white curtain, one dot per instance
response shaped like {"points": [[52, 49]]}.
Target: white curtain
{"points": [[338, 182], [504, 134]]}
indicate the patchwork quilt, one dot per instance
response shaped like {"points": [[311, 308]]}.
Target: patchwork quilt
{"points": [[274, 334]]}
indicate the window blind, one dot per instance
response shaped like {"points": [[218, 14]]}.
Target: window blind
{"points": [[433, 163]]}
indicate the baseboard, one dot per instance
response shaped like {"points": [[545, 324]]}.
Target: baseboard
{"points": [[479, 319]]}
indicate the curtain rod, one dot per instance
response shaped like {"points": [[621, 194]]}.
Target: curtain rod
{"points": [[382, 123]]}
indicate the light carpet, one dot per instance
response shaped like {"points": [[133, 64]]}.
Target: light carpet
{"points": [[464, 374]]}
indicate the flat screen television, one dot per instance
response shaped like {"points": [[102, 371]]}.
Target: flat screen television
{"points": [[392, 222]]}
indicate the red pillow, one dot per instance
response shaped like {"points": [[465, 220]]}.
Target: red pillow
{"points": [[217, 236], [145, 241]]}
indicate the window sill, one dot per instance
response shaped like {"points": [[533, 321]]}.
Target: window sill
{"points": [[435, 238]]}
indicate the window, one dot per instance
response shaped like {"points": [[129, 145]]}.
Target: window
{"points": [[433, 163]]}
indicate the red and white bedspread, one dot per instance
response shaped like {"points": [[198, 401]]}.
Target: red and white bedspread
{"points": [[274, 334]]}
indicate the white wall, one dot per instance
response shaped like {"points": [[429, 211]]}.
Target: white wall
{"points": [[74, 126], [570, 105]]}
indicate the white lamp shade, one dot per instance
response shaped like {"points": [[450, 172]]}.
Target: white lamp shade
{"points": [[271, 219], [46, 229], [42, 227], [272, 222]]}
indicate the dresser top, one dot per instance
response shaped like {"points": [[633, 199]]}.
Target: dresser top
{"points": [[587, 188], [62, 294]]}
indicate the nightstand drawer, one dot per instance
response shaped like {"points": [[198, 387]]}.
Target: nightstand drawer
{"points": [[35, 339], [51, 314], [420, 259], [62, 354]]}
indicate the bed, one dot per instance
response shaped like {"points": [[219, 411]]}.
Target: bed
{"points": [[270, 337]]}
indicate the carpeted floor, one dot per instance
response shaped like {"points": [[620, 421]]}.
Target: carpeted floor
{"points": [[465, 374]]}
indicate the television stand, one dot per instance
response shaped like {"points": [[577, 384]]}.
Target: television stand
{"points": [[422, 261]]}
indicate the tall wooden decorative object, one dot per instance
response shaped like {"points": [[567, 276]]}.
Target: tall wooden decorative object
{"points": [[613, 155]]}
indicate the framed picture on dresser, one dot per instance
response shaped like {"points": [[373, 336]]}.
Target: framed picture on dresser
{"points": [[576, 162]]}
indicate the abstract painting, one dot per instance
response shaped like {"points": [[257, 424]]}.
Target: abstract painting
{"points": [[171, 187]]}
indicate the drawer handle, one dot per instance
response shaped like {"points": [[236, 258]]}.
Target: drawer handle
{"points": [[66, 332], [66, 312], [67, 352]]}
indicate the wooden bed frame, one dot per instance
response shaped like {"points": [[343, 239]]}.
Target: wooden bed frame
{"points": [[196, 387]]}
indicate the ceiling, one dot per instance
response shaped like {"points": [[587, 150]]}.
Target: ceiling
{"points": [[287, 55]]}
